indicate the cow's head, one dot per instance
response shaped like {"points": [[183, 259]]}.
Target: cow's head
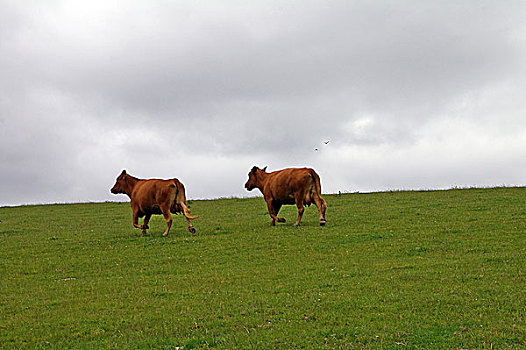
{"points": [[253, 178], [120, 185]]}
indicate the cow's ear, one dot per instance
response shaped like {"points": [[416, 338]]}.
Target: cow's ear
{"points": [[254, 169], [123, 172], [264, 169]]}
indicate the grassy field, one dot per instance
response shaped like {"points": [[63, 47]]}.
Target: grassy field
{"points": [[400, 270]]}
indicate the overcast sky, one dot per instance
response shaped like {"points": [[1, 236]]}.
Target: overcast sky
{"points": [[410, 94]]}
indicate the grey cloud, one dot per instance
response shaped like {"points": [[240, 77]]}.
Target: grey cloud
{"points": [[104, 86]]}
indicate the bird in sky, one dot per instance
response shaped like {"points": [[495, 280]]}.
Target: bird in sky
{"points": [[325, 142]]}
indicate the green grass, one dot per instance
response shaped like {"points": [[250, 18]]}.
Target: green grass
{"points": [[401, 270]]}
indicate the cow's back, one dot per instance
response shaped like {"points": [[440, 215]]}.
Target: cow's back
{"points": [[282, 184], [149, 194]]}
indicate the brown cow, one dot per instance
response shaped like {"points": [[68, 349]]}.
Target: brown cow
{"points": [[300, 186], [154, 197]]}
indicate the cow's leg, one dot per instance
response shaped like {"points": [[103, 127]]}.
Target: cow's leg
{"points": [[301, 208], [322, 207], [136, 215], [146, 221], [186, 213], [165, 209], [189, 226], [271, 212], [168, 219], [277, 206]]}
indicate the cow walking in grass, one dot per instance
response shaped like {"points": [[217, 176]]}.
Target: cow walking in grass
{"points": [[300, 186], [154, 196]]}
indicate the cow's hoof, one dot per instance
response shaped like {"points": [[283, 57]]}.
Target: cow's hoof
{"points": [[281, 220], [322, 223], [191, 229], [145, 227], [296, 225], [165, 234]]}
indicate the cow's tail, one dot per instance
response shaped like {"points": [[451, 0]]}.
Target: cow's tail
{"points": [[320, 202], [317, 183], [317, 187], [186, 213], [180, 201]]}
